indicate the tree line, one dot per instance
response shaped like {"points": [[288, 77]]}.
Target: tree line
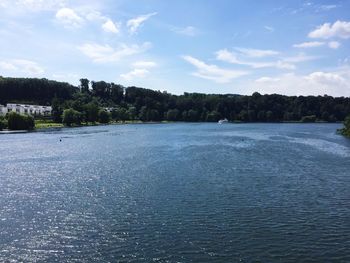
{"points": [[94, 101], [16, 121]]}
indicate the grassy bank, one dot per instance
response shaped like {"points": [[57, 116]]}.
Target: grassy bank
{"points": [[44, 124]]}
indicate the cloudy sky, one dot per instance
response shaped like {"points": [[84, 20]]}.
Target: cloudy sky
{"points": [[212, 46]]}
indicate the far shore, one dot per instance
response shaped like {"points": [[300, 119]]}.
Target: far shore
{"points": [[41, 126]]}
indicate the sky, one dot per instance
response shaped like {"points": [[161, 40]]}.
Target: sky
{"points": [[291, 47]]}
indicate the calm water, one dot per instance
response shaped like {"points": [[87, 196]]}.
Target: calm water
{"points": [[176, 193]]}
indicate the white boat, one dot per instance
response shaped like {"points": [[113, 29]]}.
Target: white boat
{"points": [[223, 121]]}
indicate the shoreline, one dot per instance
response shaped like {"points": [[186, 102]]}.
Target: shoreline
{"points": [[56, 126]]}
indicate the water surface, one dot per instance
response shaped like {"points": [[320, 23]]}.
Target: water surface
{"points": [[176, 193]]}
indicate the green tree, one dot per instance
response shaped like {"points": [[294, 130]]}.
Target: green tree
{"points": [[153, 115], [261, 116], [270, 117], [288, 116], [3, 123], [332, 118], [132, 113], [325, 116], [91, 112], [192, 115], [17, 121], [243, 115], [57, 110], [84, 85], [120, 114], [104, 116], [143, 114], [251, 115], [172, 115], [213, 116], [346, 130], [184, 115], [71, 116], [311, 118]]}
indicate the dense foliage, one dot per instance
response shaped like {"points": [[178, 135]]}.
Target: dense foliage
{"points": [[3, 123], [346, 130], [17, 121], [71, 116], [38, 91], [104, 116], [134, 103]]}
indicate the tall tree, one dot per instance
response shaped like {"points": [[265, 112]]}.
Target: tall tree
{"points": [[84, 85]]}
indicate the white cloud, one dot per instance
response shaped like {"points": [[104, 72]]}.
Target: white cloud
{"points": [[266, 79], [107, 24], [93, 15], [141, 70], [67, 77], [269, 28], [69, 18], [7, 66], [187, 31], [213, 72], [331, 44], [105, 53], [28, 66], [335, 83], [144, 64], [323, 78], [40, 5], [227, 56], [340, 29], [136, 73], [3, 3], [135, 23], [301, 57], [110, 27], [21, 7], [17, 66], [334, 44], [257, 53], [327, 7], [309, 44]]}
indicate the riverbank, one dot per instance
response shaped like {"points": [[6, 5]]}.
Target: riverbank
{"points": [[43, 125], [48, 124]]}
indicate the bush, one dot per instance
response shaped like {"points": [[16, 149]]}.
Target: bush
{"points": [[71, 116], [213, 116], [104, 116], [172, 115], [3, 123], [120, 114], [311, 118], [17, 121], [346, 130], [91, 112]]}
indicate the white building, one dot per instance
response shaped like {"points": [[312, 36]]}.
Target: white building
{"points": [[3, 110], [26, 109], [109, 109]]}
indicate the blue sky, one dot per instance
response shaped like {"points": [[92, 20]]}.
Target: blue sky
{"points": [[222, 46]]}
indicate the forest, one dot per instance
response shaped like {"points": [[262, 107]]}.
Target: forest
{"points": [[93, 101]]}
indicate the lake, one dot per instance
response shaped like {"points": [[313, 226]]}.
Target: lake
{"points": [[176, 193]]}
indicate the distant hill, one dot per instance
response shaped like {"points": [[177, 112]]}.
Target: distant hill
{"points": [[149, 105]]}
